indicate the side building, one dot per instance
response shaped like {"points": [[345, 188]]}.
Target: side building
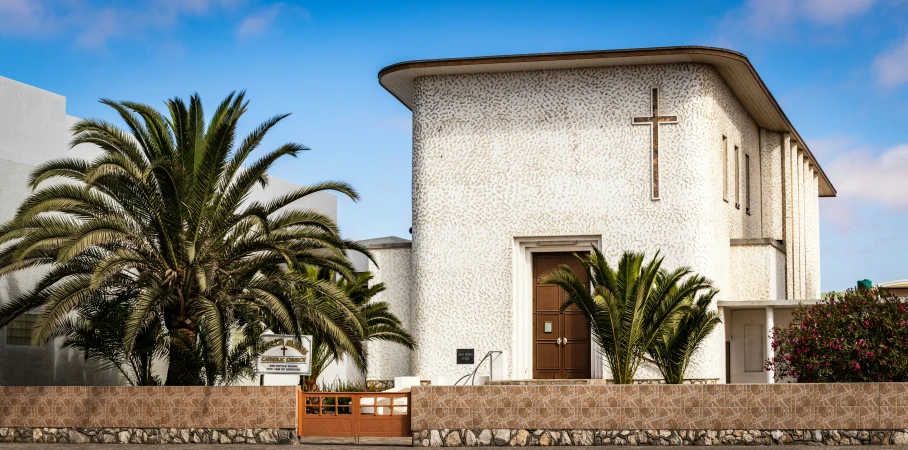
{"points": [[35, 128]]}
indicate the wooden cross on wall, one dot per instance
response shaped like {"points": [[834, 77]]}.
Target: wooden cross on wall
{"points": [[655, 120]]}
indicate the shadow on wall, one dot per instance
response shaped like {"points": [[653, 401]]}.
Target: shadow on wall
{"points": [[48, 365]]}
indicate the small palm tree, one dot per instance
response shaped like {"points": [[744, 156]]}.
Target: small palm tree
{"points": [[379, 323], [97, 331], [628, 306], [676, 344]]}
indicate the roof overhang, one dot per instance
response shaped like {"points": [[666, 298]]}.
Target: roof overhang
{"points": [[733, 67], [763, 304], [897, 284]]}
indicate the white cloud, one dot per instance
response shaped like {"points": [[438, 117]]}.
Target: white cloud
{"points": [[775, 18], [834, 11], [892, 65], [105, 25], [24, 17], [94, 25], [864, 179], [260, 21], [265, 19]]}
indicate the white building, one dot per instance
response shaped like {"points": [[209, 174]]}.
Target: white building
{"points": [[518, 159], [34, 128]]}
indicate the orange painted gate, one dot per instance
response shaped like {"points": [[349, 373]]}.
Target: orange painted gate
{"points": [[354, 414]]}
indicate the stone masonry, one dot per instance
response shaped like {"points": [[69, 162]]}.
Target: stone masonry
{"points": [[149, 435], [523, 437]]}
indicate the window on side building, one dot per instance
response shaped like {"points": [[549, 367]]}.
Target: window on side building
{"points": [[725, 168], [737, 178], [19, 331], [747, 184]]}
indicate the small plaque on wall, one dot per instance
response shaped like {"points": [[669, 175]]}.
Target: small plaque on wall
{"points": [[464, 356]]}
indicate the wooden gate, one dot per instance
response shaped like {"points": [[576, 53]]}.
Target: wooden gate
{"points": [[354, 414]]}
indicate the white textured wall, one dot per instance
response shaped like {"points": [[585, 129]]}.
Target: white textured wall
{"points": [[801, 223], [729, 118], [33, 129], [771, 184], [757, 273], [499, 156], [386, 359]]}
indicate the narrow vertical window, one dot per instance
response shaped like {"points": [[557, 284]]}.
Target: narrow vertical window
{"points": [[725, 168], [747, 184], [737, 178]]}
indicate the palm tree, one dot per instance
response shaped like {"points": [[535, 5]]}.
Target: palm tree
{"points": [[97, 331], [675, 344], [379, 323], [166, 210], [628, 306]]}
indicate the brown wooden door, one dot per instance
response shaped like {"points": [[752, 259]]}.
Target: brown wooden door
{"points": [[561, 340]]}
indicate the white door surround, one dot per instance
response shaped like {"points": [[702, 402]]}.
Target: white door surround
{"points": [[522, 306]]}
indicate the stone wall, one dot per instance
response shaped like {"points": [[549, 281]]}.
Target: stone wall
{"points": [[148, 435], [696, 414], [545, 438], [159, 407]]}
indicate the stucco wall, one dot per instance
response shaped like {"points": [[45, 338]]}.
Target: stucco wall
{"points": [[801, 226], [391, 267], [34, 129], [730, 119], [757, 273], [499, 156], [771, 189]]}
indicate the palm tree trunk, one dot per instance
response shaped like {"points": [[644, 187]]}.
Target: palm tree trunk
{"points": [[182, 367]]}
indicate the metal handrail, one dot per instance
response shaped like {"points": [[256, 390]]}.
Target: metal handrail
{"points": [[472, 376]]}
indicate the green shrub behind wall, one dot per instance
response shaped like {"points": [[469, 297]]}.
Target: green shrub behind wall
{"points": [[858, 336]]}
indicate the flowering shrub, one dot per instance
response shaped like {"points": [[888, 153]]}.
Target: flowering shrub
{"points": [[859, 336]]}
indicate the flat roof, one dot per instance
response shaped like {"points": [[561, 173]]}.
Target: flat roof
{"points": [[733, 67]]}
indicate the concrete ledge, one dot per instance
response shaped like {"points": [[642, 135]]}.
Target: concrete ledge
{"points": [[389, 245], [583, 437], [760, 304], [779, 245], [386, 242]]}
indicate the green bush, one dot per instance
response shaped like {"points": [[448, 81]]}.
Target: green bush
{"points": [[858, 336]]}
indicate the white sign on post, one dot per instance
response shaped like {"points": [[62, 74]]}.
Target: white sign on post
{"points": [[285, 355]]}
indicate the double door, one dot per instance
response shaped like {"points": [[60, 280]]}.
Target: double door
{"points": [[561, 347]]}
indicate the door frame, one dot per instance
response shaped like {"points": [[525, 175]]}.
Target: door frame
{"points": [[522, 305]]}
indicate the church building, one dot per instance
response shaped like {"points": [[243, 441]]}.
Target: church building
{"points": [[520, 161]]}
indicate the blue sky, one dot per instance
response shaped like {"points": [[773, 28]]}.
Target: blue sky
{"points": [[838, 67]]}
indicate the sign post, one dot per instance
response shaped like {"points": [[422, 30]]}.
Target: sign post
{"points": [[285, 355]]}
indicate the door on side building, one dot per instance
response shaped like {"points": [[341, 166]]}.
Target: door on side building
{"points": [[561, 340]]}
